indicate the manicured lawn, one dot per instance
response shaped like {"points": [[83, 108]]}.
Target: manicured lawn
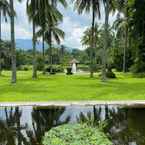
{"points": [[77, 87]]}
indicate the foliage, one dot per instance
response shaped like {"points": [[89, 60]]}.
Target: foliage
{"points": [[75, 134], [110, 74], [55, 69], [137, 23]]}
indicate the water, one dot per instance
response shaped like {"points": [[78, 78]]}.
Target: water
{"points": [[27, 125]]}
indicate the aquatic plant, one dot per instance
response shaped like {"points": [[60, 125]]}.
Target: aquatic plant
{"points": [[75, 134]]}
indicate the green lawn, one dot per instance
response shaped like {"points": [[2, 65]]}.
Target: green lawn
{"points": [[77, 87]]}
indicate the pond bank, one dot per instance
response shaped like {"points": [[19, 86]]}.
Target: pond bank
{"points": [[128, 103]]}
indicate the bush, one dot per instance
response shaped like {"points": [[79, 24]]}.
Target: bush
{"points": [[83, 67], [110, 74], [40, 66], [59, 69], [24, 68], [40, 63], [50, 70], [139, 75], [75, 134], [138, 67], [55, 69]]}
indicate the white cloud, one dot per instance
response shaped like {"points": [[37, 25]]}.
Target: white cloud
{"points": [[22, 26], [74, 32]]}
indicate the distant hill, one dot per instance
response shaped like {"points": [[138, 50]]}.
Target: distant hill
{"points": [[26, 44]]}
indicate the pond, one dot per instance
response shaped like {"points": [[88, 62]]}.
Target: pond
{"points": [[27, 125]]}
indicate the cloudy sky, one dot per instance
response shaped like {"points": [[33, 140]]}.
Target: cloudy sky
{"points": [[73, 25]]}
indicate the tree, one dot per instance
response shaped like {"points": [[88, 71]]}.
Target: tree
{"points": [[42, 13], [5, 54], [13, 49], [86, 41], [51, 18], [88, 6], [108, 7], [32, 8], [122, 25], [137, 33], [4, 11]]}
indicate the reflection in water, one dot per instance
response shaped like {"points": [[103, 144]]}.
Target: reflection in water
{"points": [[27, 125]]}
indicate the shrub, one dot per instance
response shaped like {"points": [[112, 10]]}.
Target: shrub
{"points": [[59, 69], [55, 69], [40, 63], [24, 67], [83, 67], [40, 66], [139, 75], [110, 74], [76, 134]]}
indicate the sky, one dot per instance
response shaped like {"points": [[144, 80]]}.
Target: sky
{"points": [[73, 24]]}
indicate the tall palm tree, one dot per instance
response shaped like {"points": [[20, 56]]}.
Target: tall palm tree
{"points": [[4, 11], [13, 47], [49, 17], [86, 41], [108, 7], [88, 6], [32, 7], [13, 54], [51, 32], [121, 25], [122, 6], [42, 12]]}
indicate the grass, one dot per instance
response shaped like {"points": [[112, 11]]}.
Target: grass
{"points": [[76, 87]]}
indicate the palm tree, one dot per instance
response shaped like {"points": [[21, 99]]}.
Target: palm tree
{"points": [[108, 7], [86, 41], [13, 49], [41, 13], [122, 23], [51, 32], [94, 7], [49, 17], [32, 7], [4, 11]]}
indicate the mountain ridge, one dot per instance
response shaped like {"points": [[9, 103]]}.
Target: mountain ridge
{"points": [[27, 44]]}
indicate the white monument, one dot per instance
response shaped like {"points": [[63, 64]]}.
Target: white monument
{"points": [[74, 68], [74, 63]]}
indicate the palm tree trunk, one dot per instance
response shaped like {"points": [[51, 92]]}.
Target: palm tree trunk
{"points": [[13, 51], [43, 48], [0, 47], [124, 52], [104, 59], [50, 51], [43, 53], [126, 43], [92, 45], [34, 76]]}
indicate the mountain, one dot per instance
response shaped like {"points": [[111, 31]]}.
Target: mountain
{"points": [[26, 44]]}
